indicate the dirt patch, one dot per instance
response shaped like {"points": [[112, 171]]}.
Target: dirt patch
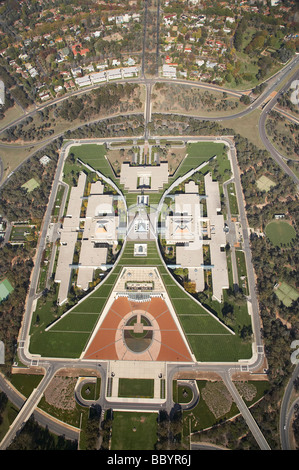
{"points": [[60, 393], [196, 375], [29, 370], [217, 398], [246, 390], [77, 373]]}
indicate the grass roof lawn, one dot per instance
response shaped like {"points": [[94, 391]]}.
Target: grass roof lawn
{"points": [[198, 153], [31, 185], [5, 289], [134, 431], [95, 156], [280, 232]]}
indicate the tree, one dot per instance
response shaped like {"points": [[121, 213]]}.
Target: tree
{"points": [[245, 99]]}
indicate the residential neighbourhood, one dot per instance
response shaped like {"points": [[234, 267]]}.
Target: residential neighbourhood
{"points": [[198, 42]]}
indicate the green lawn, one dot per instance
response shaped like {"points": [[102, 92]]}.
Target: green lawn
{"points": [[95, 156], [233, 202], [242, 271], [134, 431], [198, 153], [181, 393], [25, 383], [136, 388], [280, 233]]}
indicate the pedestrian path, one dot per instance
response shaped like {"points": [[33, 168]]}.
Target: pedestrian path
{"points": [[135, 370]]}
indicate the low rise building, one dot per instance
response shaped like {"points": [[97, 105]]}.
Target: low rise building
{"points": [[68, 239], [2, 93], [169, 71], [100, 232], [190, 231], [136, 178], [83, 81], [98, 77], [129, 72], [114, 74]]}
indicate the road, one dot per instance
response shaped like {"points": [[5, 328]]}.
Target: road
{"points": [[26, 410], [280, 159], [150, 82], [286, 411], [24, 333]]}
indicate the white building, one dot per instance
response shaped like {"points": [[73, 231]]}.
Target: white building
{"points": [[130, 72], [114, 74], [135, 177], [76, 71], [68, 239], [169, 71], [190, 231], [98, 77], [83, 81], [100, 230], [45, 160], [2, 93], [211, 65]]}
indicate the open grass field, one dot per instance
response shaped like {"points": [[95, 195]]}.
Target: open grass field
{"points": [[193, 101], [11, 115], [280, 233], [247, 126], [134, 431]]}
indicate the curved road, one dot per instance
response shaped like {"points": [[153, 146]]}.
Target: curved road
{"points": [[280, 159], [273, 82], [286, 411]]}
